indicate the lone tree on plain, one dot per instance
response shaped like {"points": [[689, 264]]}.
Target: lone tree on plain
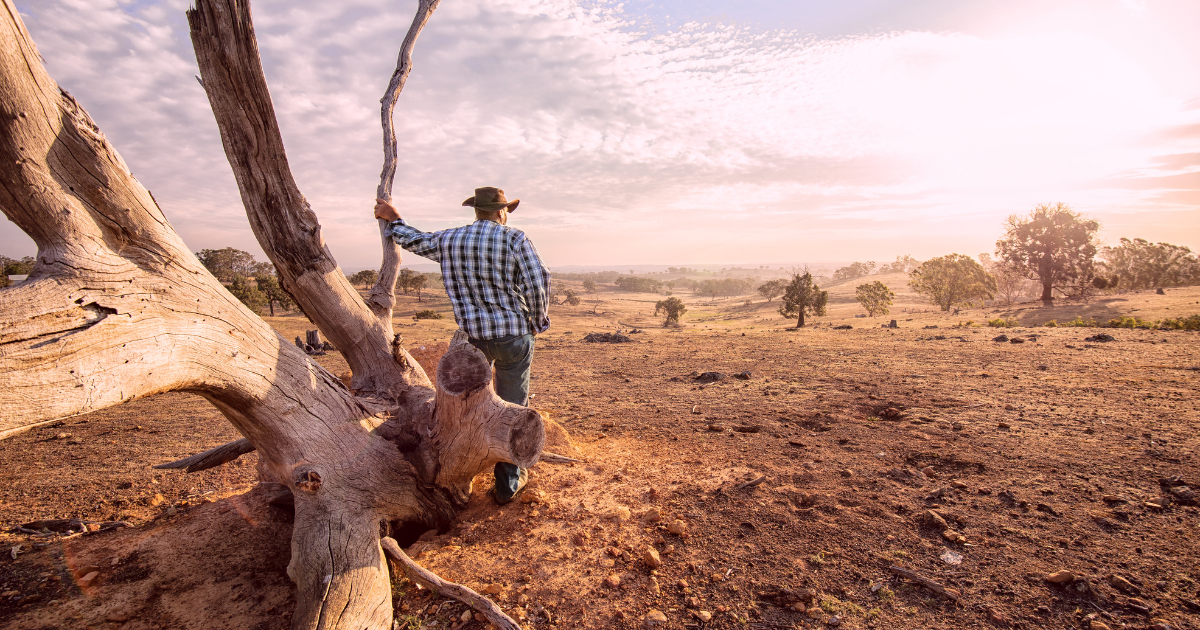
{"points": [[802, 296], [589, 286], [366, 278], [952, 281], [673, 308], [1054, 245], [772, 289], [130, 311], [875, 297], [570, 298]]}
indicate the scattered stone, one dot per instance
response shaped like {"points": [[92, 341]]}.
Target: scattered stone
{"points": [[843, 327], [954, 536], [935, 519], [928, 471], [607, 338], [620, 513], [1003, 425], [1000, 339], [710, 377], [1048, 509], [89, 578], [951, 557], [654, 618], [1112, 498], [652, 515], [651, 558], [1138, 606], [466, 616], [1123, 584], [1061, 577], [703, 615], [846, 473], [1161, 624], [612, 581], [1101, 338], [1016, 340], [678, 527], [958, 485], [117, 616], [158, 500], [692, 602], [1098, 625], [814, 613], [493, 589], [745, 376], [834, 621], [533, 496]]}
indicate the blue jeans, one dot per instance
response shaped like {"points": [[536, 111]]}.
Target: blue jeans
{"points": [[513, 357]]}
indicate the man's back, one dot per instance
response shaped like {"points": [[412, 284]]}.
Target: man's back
{"points": [[493, 276]]}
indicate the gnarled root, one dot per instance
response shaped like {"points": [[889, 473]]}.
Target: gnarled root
{"points": [[427, 579]]}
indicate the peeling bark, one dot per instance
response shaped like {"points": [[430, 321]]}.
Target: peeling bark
{"points": [[118, 308]]}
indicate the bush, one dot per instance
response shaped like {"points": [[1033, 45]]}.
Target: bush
{"points": [[427, 314], [1126, 321], [638, 285], [1186, 323], [1004, 323], [673, 308]]}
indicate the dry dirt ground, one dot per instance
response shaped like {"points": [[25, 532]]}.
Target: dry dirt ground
{"points": [[1052, 454]]}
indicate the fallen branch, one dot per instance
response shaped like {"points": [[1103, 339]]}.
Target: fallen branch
{"points": [[926, 582], [211, 458], [751, 483], [427, 579], [555, 458]]}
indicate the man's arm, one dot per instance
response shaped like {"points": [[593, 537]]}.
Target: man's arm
{"points": [[423, 244], [535, 281]]}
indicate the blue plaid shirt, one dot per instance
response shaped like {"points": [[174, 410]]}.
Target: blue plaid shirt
{"points": [[496, 282]]}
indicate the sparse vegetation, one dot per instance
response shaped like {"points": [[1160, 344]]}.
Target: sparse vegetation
{"points": [[673, 308], [953, 281], [1055, 246], [875, 297], [589, 286], [1001, 322], [803, 296], [772, 289], [636, 284], [365, 278], [724, 287], [428, 314], [853, 271]]}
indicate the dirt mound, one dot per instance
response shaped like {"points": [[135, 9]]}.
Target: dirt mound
{"points": [[616, 337]]}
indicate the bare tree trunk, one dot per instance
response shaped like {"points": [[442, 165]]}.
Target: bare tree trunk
{"points": [[800, 319], [117, 308]]}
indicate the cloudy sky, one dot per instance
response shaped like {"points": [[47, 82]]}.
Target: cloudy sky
{"points": [[674, 131]]}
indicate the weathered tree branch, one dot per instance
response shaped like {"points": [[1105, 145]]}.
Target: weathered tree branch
{"points": [[282, 220], [211, 458], [427, 579], [383, 295]]}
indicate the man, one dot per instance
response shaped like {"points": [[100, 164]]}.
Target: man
{"points": [[498, 287]]}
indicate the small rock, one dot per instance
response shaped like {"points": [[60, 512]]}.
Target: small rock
{"points": [[1098, 625], [703, 615], [158, 500], [834, 621], [654, 618], [653, 515], [612, 581], [1061, 577], [745, 376], [89, 578], [846, 473], [466, 616], [1102, 338], [677, 527], [1121, 583], [620, 513], [1016, 340], [651, 558], [935, 519], [62, 436], [928, 471], [958, 485], [533, 496], [815, 613], [117, 616], [1161, 624], [480, 617], [1000, 339], [954, 536], [493, 589], [692, 602]]}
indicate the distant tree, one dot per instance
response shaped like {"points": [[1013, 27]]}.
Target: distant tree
{"points": [[673, 308], [273, 292], [14, 267], [802, 296], [953, 280], [570, 298], [366, 278], [228, 263], [417, 283], [903, 264], [1140, 264], [639, 285], [245, 290], [589, 286], [1054, 245], [876, 297], [4, 281], [405, 280], [854, 270], [1011, 282], [772, 289], [725, 286]]}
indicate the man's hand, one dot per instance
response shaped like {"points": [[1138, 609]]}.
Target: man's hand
{"points": [[386, 211]]}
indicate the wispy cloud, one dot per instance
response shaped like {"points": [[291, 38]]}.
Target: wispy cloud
{"points": [[706, 142]]}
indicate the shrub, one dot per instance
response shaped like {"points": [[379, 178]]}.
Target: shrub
{"points": [[428, 314], [1126, 321], [967, 324], [673, 308], [1004, 323], [1186, 323]]}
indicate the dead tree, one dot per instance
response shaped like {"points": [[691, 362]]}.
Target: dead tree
{"points": [[118, 308]]}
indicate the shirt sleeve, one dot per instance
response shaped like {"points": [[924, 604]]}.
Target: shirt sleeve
{"points": [[535, 284], [424, 244]]}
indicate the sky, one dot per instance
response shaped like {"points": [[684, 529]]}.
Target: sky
{"points": [[673, 132]]}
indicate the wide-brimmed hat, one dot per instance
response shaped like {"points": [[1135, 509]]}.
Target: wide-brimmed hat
{"points": [[490, 198]]}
